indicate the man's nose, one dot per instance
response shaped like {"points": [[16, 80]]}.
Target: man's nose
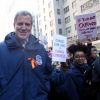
{"points": [[23, 26]]}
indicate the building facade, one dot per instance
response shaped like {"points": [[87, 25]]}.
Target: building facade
{"points": [[59, 17], [50, 19]]}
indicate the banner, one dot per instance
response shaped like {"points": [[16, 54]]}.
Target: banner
{"points": [[86, 26], [59, 48]]}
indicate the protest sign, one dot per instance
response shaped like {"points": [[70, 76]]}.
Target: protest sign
{"points": [[59, 48], [86, 26]]}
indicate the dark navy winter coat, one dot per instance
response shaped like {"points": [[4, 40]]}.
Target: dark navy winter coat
{"points": [[63, 87], [18, 81], [76, 72]]}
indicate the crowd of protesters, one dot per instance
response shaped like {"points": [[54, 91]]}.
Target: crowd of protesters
{"points": [[80, 81], [26, 72]]}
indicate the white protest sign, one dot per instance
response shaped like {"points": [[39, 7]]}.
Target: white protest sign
{"points": [[86, 26], [59, 48]]}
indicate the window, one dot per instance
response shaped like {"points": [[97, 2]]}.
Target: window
{"points": [[44, 18], [45, 27], [58, 11], [60, 31], [66, 9], [40, 30], [98, 29], [64, 1], [67, 19], [43, 2], [98, 16], [49, 4], [58, 2], [74, 4], [52, 31], [59, 21], [51, 23], [68, 30], [44, 10], [50, 13], [74, 15]]}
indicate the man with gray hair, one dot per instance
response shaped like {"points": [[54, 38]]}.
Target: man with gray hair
{"points": [[24, 64]]}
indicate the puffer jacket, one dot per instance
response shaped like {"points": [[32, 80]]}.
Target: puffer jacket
{"points": [[18, 80]]}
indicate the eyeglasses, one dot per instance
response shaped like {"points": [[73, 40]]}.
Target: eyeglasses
{"points": [[79, 56]]}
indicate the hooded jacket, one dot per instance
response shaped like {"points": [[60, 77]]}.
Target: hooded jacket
{"points": [[19, 80]]}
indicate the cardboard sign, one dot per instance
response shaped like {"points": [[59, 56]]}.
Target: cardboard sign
{"points": [[86, 26], [59, 48]]}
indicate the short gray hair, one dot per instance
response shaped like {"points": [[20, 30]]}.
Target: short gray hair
{"points": [[23, 13]]}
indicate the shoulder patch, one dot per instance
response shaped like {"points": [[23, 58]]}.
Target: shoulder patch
{"points": [[39, 59]]}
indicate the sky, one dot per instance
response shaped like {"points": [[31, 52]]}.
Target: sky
{"points": [[8, 9]]}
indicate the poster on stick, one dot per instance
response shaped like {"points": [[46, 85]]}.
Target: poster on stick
{"points": [[59, 48], [86, 26]]}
